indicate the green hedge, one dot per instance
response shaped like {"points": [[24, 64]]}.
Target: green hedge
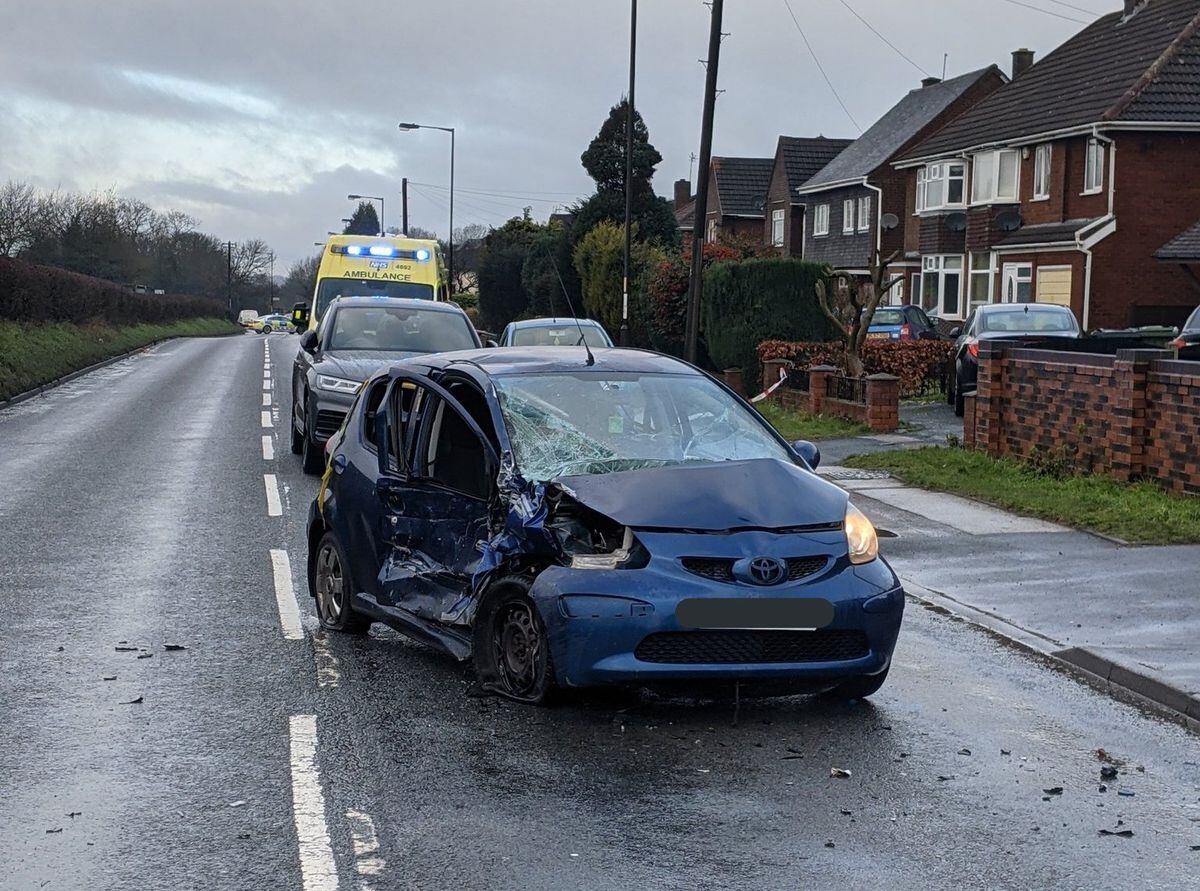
{"points": [[751, 301]]}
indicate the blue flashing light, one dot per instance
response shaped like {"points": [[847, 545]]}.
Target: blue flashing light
{"points": [[354, 250], [381, 250], [422, 255]]}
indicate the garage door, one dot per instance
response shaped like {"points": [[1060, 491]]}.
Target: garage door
{"points": [[1054, 285]]}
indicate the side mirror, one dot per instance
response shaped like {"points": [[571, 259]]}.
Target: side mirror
{"points": [[300, 315], [956, 331], [808, 452], [308, 341]]}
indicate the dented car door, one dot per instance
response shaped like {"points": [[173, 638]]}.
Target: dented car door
{"points": [[437, 519]]}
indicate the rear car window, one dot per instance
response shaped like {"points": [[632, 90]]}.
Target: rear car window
{"points": [[1028, 321], [399, 329], [888, 317]]}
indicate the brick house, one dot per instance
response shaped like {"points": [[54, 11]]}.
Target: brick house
{"points": [[797, 160], [849, 201], [1066, 184], [683, 204], [737, 197]]}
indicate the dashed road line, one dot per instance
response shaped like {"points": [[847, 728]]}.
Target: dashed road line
{"points": [[266, 419], [285, 595], [274, 504], [266, 385], [268, 447], [266, 398], [317, 867], [366, 848]]}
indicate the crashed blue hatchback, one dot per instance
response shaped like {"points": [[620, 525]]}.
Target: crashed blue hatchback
{"points": [[569, 518]]}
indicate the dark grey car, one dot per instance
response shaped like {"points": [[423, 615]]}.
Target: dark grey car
{"points": [[357, 337]]}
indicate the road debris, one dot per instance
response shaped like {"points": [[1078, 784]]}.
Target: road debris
{"points": [[1108, 772], [830, 844], [1127, 793], [238, 803], [109, 677], [174, 648], [840, 772], [944, 777], [964, 751], [1122, 833], [137, 701], [145, 655], [74, 814], [1054, 790], [126, 649]]}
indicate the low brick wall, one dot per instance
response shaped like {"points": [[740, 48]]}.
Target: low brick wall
{"points": [[879, 409], [1132, 416]]}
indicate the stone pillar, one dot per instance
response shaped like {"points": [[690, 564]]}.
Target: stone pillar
{"points": [[989, 399], [733, 380], [818, 377], [968, 437], [771, 369], [1127, 438], [883, 403]]}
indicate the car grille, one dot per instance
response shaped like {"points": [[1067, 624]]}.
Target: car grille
{"points": [[720, 569], [329, 422], [752, 647]]}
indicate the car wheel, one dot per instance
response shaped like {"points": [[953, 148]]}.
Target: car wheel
{"points": [[334, 587], [512, 650], [859, 687], [314, 455], [266, 329], [297, 439], [960, 407]]}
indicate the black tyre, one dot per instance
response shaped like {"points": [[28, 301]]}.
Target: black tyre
{"points": [[266, 329], [334, 588], [859, 687], [297, 440], [314, 455], [512, 651]]}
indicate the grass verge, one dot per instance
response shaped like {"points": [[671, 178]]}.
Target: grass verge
{"points": [[1141, 512], [32, 355], [793, 424]]}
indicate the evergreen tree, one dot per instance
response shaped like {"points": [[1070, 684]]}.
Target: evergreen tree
{"points": [[364, 220]]}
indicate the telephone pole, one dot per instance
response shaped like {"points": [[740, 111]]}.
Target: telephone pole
{"points": [[699, 215], [229, 276], [404, 206], [624, 334]]}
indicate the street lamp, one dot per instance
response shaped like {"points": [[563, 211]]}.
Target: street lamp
{"points": [[450, 240], [624, 333], [382, 229]]}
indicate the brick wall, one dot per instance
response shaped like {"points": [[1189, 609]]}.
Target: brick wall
{"points": [[1131, 416], [880, 411]]}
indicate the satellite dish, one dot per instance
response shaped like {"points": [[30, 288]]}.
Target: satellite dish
{"points": [[889, 221], [1009, 220], [956, 222]]}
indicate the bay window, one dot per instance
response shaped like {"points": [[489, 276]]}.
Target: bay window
{"points": [[941, 185], [1093, 174], [847, 217], [994, 176], [821, 220], [941, 285], [864, 213], [1041, 171]]}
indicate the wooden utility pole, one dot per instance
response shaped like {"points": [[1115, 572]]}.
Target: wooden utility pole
{"points": [[404, 206], [699, 215]]}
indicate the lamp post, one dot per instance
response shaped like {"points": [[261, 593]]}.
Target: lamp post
{"points": [[450, 240], [382, 228], [624, 333]]}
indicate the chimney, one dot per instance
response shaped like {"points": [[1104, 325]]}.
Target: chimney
{"points": [[930, 81], [1023, 60], [683, 192]]}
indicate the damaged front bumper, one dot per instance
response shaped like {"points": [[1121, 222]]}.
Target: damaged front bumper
{"points": [[622, 626]]}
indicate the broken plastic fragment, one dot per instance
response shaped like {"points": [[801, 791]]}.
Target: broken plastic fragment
{"points": [[839, 772]]}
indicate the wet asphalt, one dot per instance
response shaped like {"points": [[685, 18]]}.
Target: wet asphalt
{"points": [[132, 514]]}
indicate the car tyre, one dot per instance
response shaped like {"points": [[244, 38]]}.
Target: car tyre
{"points": [[334, 588], [313, 455], [860, 687], [266, 329], [512, 649], [297, 439]]}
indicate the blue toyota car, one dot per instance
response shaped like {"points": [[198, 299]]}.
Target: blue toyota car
{"points": [[569, 518]]}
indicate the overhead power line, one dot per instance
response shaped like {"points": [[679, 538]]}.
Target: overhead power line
{"points": [[820, 67], [1057, 15], [897, 49], [1076, 8]]}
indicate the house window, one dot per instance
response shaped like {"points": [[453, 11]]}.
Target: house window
{"points": [[895, 294], [941, 285], [994, 176], [1017, 283], [1041, 172], [777, 228], [864, 213], [981, 279], [941, 185], [711, 235], [847, 217], [821, 220], [1093, 174]]}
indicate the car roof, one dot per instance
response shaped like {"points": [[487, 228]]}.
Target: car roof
{"points": [[552, 321], [405, 302], [548, 359], [1022, 307]]}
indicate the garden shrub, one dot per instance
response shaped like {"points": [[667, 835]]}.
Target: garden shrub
{"points": [[919, 364]]}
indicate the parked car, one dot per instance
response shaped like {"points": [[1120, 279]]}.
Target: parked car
{"points": [[1188, 341], [902, 323], [566, 524], [356, 338], [271, 323], [554, 332], [1000, 321]]}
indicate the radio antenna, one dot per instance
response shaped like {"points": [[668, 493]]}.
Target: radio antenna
{"points": [[591, 360]]}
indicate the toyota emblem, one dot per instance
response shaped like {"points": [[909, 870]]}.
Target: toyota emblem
{"points": [[767, 571]]}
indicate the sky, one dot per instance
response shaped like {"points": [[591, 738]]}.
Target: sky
{"points": [[258, 117]]}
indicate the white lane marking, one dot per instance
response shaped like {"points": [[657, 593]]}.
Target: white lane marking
{"points": [[317, 867], [274, 505], [266, 374], [268, 448], [285, 596], [266, 398], [366, 848], [266, 385], [266, 419], [328, 673]]}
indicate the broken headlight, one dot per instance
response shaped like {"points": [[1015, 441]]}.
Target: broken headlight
{"points": [[860, 536], [621, 557]]}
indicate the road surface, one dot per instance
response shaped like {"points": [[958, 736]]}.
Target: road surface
{"points": [[155, 502]]}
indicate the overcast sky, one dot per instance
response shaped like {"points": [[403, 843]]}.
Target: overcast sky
{"points": [[258, 117]]}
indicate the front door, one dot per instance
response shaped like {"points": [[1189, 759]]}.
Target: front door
{"points": [[1017, 283]]}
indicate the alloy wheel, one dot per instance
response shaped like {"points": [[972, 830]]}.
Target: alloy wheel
{"points": [[331, 588]]}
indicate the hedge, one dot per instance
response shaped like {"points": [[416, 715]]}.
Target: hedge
{"points": [[918, 363], [40, 294], [750, 301]]}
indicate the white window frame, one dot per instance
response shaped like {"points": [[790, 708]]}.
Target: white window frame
{"points": [[820, 220], [710, 234], [1018, 273], [995, 159], [848, 216], [940, 173], [920, 203], [864, 213], [973, 273], [1093, 168], [777, 219], [935, 265], [1042, 156]]}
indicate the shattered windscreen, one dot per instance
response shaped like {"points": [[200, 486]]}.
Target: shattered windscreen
{"points": [[580, 423]]}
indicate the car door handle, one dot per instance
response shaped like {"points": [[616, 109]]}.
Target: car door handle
{"points": [[339, 463]]}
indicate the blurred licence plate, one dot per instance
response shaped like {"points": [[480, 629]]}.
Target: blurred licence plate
{"points": [[879, 335]]}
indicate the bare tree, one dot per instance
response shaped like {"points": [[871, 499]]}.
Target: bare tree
{"points": [[851, 306], [18, 203]]}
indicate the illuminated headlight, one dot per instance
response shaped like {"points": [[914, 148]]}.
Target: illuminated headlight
{"points": [[422, 255], [336, 384], [861, 540], [380, 250]]}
